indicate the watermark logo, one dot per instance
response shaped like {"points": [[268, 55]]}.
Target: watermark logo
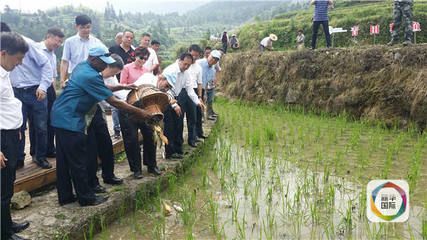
{"points": [[387, 201]]}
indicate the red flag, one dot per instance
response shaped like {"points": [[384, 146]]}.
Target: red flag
{"points": [[416, 27], [391, 27], [374, 29], [355, 31]]}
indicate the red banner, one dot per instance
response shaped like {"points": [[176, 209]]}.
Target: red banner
{"points": [[374, 29], [355, 31], [416, 27]]}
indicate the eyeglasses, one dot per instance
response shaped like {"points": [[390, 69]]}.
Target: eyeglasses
{"points": [[145, 58]]}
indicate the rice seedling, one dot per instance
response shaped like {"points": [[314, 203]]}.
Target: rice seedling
{"points": [[254, 200], [235, 210], [213, 212], [424, 229], [269, 225], [241, 228]]}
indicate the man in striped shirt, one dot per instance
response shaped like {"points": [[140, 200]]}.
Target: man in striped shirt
{"points": [[321, 18]]}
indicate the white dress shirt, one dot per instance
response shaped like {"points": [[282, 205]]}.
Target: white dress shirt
{"points": [[152, 59], [145, 79], [195, 71], [183, 80], [10, 107], [266, 42], [76, 49]]}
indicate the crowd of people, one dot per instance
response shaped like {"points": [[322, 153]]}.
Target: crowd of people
{"points": [[72, 127]]}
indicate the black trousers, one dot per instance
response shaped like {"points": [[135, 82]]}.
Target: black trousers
{"points": [[99, 144], [129, 130], [199, 116], [36, 112], [9, 142], [51, 97], [71, 166], [325, 26], [173, 131], [188, 108]]}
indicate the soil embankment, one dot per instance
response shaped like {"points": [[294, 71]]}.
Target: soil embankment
{"points": [[374, 83]]}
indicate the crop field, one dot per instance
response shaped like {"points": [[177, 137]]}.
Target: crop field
{"points": [[275, 172]]}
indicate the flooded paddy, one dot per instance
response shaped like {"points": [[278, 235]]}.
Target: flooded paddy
{"points": [[269, 172]]}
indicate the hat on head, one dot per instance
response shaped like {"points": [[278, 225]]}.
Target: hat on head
{"points": [[171, 78], [273, 37], [216, 54], [102, 53]]}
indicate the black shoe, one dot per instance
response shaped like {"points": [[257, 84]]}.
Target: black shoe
{"points": [[51, 155], [174, 157], [202, 136], [177, 156], [16, 237], [98, 200], [392, 42], [19, 227], [155, 171], [407, 43], [43, 163], [193, 144], [212, 118], [71, 200], [137, 175], [99, 189], [20, 164], [198, 140], [113, 181]]}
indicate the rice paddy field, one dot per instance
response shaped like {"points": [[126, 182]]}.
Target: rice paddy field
{"points": [[275, 172]]}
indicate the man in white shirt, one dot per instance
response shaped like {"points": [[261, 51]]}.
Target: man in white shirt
{"points": [[152, 61], [13, 48], [76, 48], [193, 112], [267, 42], [173, 119], [130, 129]]}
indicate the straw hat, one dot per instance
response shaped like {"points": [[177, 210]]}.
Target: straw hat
{"points": [[273, 37]]}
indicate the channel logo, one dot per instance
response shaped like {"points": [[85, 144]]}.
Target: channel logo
{"points": [[387, 201]]}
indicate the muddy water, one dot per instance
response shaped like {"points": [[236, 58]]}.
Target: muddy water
{"points": [[275, 174]]}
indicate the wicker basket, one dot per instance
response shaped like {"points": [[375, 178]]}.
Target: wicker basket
{"points": [[150, 99]]}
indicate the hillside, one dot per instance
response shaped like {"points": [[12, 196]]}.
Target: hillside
{"points": [[345, 14]]}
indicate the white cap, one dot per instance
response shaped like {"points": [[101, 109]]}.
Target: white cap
{"points": [[216, 54]]}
